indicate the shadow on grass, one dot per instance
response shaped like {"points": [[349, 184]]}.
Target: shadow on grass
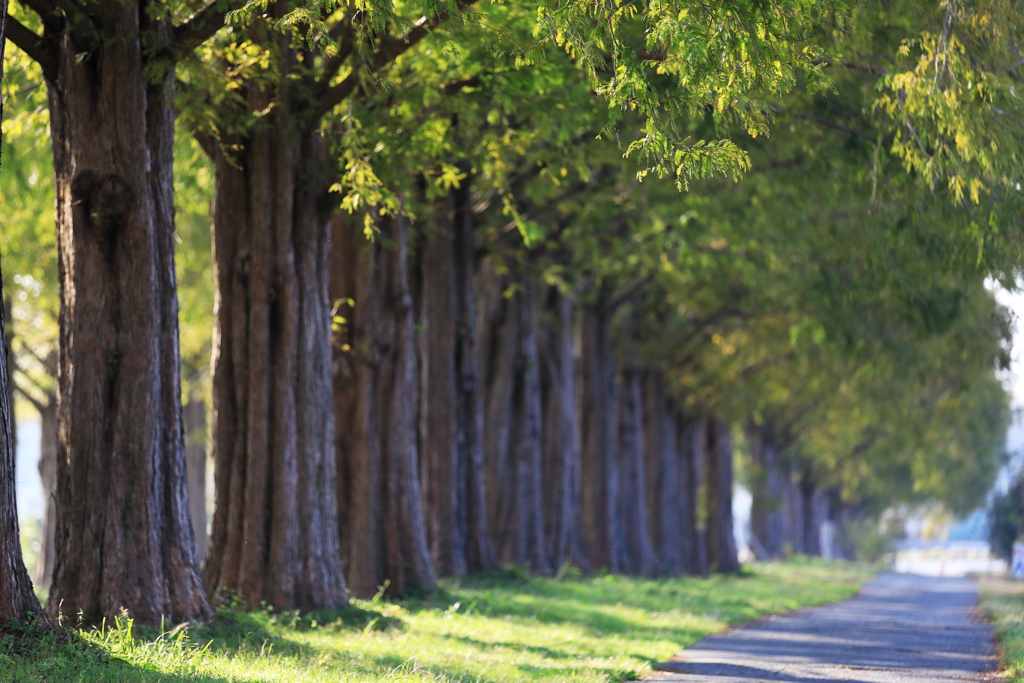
{"points": [[30, 655]]}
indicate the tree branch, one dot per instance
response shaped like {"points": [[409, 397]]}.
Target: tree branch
{"points": [[34, 46], [631, 289], [201, 26], [389, 51], [36, 403]]}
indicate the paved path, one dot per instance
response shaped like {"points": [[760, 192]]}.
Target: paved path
{"points": [[900, 628]]}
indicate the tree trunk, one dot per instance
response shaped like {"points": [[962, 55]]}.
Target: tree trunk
{"points": [[600, 467], [766, 514], [561, 436], [451, 410], [375, 391], [693, 552], [668, 493], [695, 442], [530, 543], [793, 513], [194, 415], [123, 536], [721, 537], [639, 558], [513, 428], [17, 601], [498, 360], [275, 535], [48, 477]]}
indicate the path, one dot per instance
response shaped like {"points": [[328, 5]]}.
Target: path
{"points": [[900, 628]]}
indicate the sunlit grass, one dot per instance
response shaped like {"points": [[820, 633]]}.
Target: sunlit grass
{"points": [[499, 627], [1002, 603]]}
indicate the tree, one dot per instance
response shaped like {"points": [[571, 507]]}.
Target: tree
{"points": [[121, 455]]}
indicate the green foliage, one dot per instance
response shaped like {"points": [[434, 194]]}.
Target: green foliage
{"points": [[1002, 603], [488, 627]]}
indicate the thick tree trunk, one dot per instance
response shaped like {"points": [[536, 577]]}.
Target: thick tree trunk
{"points": [[694, 440], [451, 408], [48, 477], [513, 428], [766, 514], [275, 534], [562, 475], [123, 535], [376, 394], [601, 484], [668, 490], [498, 361], [639, 558], [194, 415], [721, 539], [793, 513], [531, 547]]}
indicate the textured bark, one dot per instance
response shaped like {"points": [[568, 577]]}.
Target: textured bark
{"points": [[562, 476], [691, 546], [48, 477], [451, 409], [513, 431], [694, 441], [9, 339], [375, 394], [194, 416], [479, 547], [766, 514], [275, 534], [600, 466], [498, 361], [123, 536], [639, 557], [721, 539], [531, 548], [668, 491]]}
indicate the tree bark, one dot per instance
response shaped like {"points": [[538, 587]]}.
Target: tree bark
{"points": [[123, 537], [600, 466], [668, 494], [639, 558], [694, 435], [721, 538], [513, 429], [451, 409], [376, 392], [531, 547], [562, 474], [194, 415], [275, 534]]}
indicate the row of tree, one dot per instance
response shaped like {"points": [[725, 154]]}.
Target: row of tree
{"points": [[451, 329]]}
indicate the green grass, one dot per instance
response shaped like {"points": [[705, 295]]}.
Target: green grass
{"points": [[497, 627], [1002, 602]]}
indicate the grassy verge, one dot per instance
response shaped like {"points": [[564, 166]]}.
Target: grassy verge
{"points": [[1001, 601], [500, 627]]}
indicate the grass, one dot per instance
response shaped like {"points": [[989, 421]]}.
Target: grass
{"points": [[1001, 601], [495, 627]]}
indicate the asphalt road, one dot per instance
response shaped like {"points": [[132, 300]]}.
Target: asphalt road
{"points": [[900, 628]]}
